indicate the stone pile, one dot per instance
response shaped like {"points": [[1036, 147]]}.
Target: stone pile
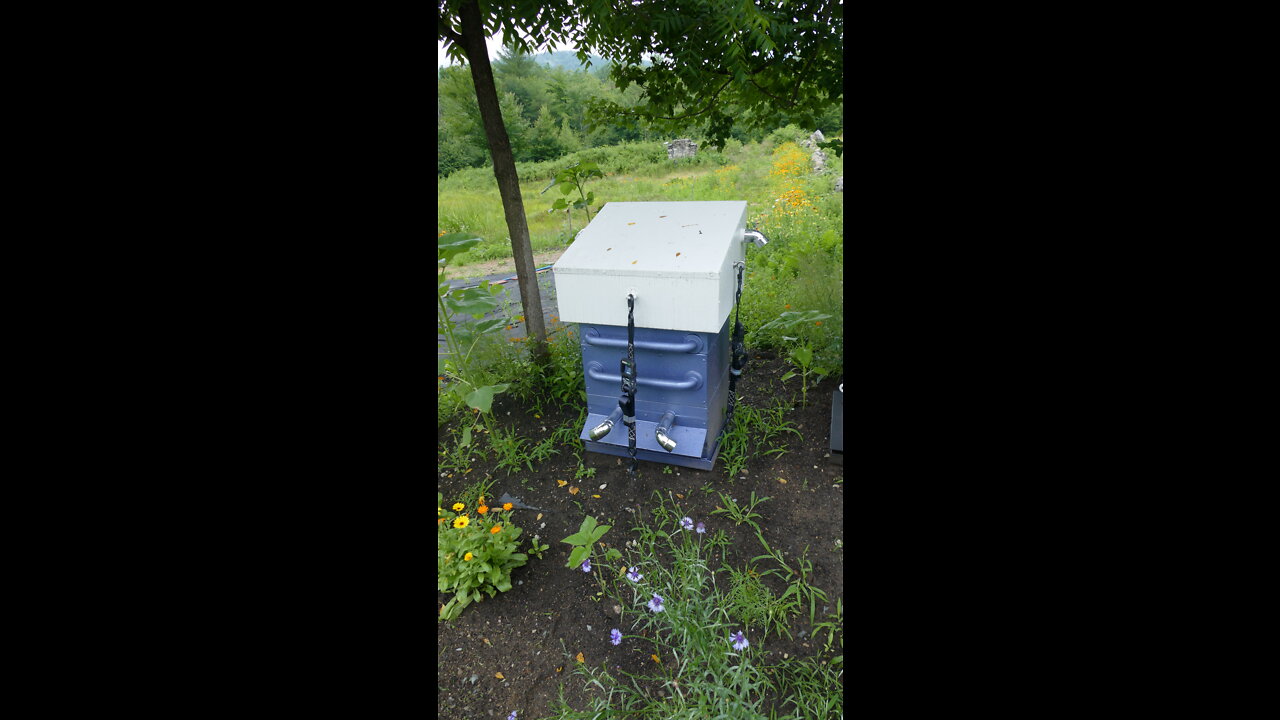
{"points": [[682, 148]]}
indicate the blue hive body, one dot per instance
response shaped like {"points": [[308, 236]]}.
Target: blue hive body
{"points": [[699, 409]]}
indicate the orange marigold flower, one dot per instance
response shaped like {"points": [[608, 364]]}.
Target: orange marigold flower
{"points": [[439, 520], [507, 506], [788, 307], [482, 509], [495, 529], [818, 323]]}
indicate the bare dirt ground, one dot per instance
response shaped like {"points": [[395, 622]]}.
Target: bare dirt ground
{"points": [[503, 265]]}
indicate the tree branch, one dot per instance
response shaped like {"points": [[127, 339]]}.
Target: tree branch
{"points": [[710, 104]]}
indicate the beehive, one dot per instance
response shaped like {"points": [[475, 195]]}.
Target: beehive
{"points": [[678, 259]]}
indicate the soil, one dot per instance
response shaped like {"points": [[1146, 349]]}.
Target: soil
{"points": [[505, 266], [550, 604]]}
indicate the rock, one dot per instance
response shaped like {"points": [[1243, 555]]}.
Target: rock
{"points": [[682, 148], [819, 161], [840, 184], [817, 137]]}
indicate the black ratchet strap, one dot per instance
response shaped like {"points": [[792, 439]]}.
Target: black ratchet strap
{"points": [[628, 400], [740, 356]]}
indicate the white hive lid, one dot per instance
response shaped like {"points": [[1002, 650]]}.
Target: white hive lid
{"points": [[657, 239]]}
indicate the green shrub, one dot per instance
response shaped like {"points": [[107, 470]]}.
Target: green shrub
{"points": [[473, 558]]}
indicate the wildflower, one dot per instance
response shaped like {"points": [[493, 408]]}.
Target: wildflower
{"points": [[586, 565], [461, 521], [439, 520], [512, 716], [788, 307], [702, 529], [507, 506], [468, 557], [686, 523], [818, 322], [739, 641], [482, 509], [481, 501], [634, 576], [656, 603], [495, 529], [615, 636], [458, 507]]}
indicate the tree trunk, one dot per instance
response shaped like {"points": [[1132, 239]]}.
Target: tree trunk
{"points": [[504, 170]]}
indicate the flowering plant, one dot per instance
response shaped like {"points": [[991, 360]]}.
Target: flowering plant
{"points": [[474, 554]]}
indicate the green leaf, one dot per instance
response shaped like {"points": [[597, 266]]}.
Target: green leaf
{"points": [[599, 533], [588, 524], [576, 557], [482, 398], [440, 365], [788, 376], [566, 188], [466, 436], [448, 246], [591, 197], [560, 204], [612, 554], [490, 325], [582, 537]]}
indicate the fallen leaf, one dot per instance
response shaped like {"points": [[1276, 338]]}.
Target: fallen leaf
{"points": [[600, 543], [679, 496], [677, 254], [486, 642], [580, 658], [631, 223], [560, 668], [595, 496], [655, 658], [573, 491], [538, 518], [499, 676], [782, 480], [633, 262], [562, 483]]}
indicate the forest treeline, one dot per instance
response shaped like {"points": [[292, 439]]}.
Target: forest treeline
{"points": [[545, 112]]}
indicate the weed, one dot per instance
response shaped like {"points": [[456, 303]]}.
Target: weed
{"points": [[738, 514], [507, 449]]}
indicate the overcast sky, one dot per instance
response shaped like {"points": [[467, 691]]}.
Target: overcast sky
{"points": [[494, 44]]}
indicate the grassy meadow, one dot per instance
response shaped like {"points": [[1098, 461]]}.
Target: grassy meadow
{"points": [[799, 271]]}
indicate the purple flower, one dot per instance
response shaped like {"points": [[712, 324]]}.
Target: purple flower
{"points": [[739, 641], [512, 716], [633, 575], [686, 523], [656, 603], [702, 529], [615, 636], [586, 565]]}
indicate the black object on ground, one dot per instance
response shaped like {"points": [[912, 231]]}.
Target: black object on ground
{"points": [[837, 426]]}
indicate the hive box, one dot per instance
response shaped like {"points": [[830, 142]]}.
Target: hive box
{"points": [[677, 258]]}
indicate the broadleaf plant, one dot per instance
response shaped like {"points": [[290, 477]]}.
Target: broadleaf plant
{"points": [[589, 533]]}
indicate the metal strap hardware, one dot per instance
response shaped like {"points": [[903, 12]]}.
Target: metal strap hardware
{"points": [[628, 373]]}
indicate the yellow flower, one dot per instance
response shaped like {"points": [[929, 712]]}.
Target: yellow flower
{"points": [[457, 507], [495, 529], [507, 506], [461, 521], [468, 557]]}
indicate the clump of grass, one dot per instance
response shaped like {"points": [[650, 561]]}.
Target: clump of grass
{"points": [[696, 669]]}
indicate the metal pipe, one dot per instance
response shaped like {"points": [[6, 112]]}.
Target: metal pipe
{"points": [[756, 237], [664, 427], [603, 428]]}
